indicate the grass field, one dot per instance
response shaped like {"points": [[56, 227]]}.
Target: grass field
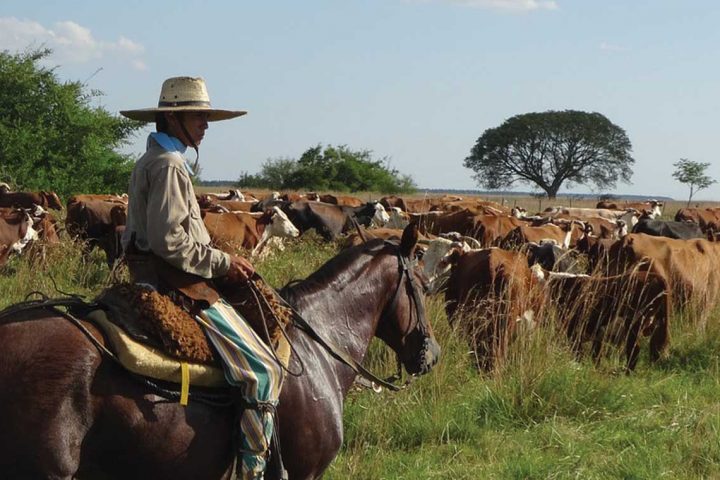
{"points": [[542, 415]]}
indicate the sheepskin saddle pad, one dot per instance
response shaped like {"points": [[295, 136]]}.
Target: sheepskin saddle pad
{"points": [[152, 336]]}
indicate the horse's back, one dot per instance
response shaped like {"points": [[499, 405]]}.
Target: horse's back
{"points": [[46, 372], [66, 412]]}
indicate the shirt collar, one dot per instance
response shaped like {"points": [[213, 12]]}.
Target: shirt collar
{"points": [[171, 144]]}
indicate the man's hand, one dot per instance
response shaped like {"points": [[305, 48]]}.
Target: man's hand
{"points": [[240, 270]]}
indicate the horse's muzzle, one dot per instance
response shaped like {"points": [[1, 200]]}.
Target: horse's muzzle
{"points": [[426, 359], [431, 357]]}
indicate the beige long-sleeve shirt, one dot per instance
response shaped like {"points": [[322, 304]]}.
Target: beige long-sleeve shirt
{"points": [[164, 216]]}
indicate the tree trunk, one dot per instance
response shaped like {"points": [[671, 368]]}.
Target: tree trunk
{"points": [[691, 195]]}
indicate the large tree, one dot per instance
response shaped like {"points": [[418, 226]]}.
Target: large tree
{"points": [[52, 137], [693, 174], [551, 148]]}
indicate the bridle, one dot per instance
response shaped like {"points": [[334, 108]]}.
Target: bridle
{"points": [[405, 270]]}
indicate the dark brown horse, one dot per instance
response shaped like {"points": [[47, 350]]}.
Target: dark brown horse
{"points": [[66, 411]]}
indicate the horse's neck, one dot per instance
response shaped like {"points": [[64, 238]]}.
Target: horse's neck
{"points": [[344, 314]]}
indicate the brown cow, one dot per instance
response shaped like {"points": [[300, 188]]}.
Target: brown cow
{"points": [[691, 266], [437, 222], [618, 309], [491, 229], [345, 200], [295, 197], [565, 235], [492, 287], [86, 197], [707, 218], [30, 200], [421, 205], [43, 222], [250, 231], [391, 234], [95, 222], [651, 207], [478, 207], [16, 232], [235, 195], [208, 202]]}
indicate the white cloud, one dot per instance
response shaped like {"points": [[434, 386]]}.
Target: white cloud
{"points": [[609, 47], [506, 5], [70, 42]]}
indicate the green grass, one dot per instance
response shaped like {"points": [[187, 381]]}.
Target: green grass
{"points": [[542, 415]]}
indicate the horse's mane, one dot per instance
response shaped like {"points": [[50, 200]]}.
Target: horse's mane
{"points": [[328, 271]]}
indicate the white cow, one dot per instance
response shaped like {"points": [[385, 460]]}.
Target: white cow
{"points": [[381, 217], [398, 219]]}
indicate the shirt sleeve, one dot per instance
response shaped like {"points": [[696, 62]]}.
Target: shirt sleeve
{"points": [[171, 223]]}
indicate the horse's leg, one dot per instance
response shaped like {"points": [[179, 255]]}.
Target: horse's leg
{"points": [[46, 371], [310, 414]]}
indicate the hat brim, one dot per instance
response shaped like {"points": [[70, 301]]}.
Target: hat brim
{"points": [[148, 114]]}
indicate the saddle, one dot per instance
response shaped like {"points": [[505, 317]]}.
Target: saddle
{"points": [[155, 334]]}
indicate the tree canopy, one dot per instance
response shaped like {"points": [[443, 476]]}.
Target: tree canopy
{"points": [[52, 137], [329, 168], [549, 149], [693, 174]]}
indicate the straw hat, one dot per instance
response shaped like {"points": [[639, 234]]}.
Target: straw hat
{"points": [[183, 94]]}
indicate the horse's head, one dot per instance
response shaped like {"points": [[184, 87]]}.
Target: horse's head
{"points": [[403, 325]]}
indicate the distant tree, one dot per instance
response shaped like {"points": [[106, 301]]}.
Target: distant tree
{"points": [[274, 173], [52, 138], [330, 168], [550, 148], [692, 173]]}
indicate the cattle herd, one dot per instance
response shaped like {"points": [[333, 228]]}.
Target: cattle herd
{"points": [[613, 273]]}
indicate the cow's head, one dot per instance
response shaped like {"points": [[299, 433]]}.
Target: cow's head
{"points": [[397, 218], [622, 228], [236, 195], [630, 217], [26, 234], [518, 212], [280, 225], [52, 200], [656, 208], [438, 258], [381, 217]]}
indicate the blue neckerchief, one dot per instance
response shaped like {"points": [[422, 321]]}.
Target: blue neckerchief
{"points": [[172, 144]]}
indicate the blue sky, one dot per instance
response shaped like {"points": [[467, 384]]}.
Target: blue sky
{"points": [[417, 81]]}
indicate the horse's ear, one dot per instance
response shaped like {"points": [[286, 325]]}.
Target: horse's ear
{"points": [[409, 239]]}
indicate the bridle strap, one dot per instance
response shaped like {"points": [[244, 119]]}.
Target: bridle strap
{"points": [[192, 144], [405, 266]]}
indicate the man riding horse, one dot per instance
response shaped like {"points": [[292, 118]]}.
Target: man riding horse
{"points": [[168, 248]]}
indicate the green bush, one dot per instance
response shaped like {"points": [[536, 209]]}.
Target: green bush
{"points": [[53, 138], [337, 169]]}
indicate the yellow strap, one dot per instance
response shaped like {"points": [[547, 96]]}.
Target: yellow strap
{"points": [[184, 383]]}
